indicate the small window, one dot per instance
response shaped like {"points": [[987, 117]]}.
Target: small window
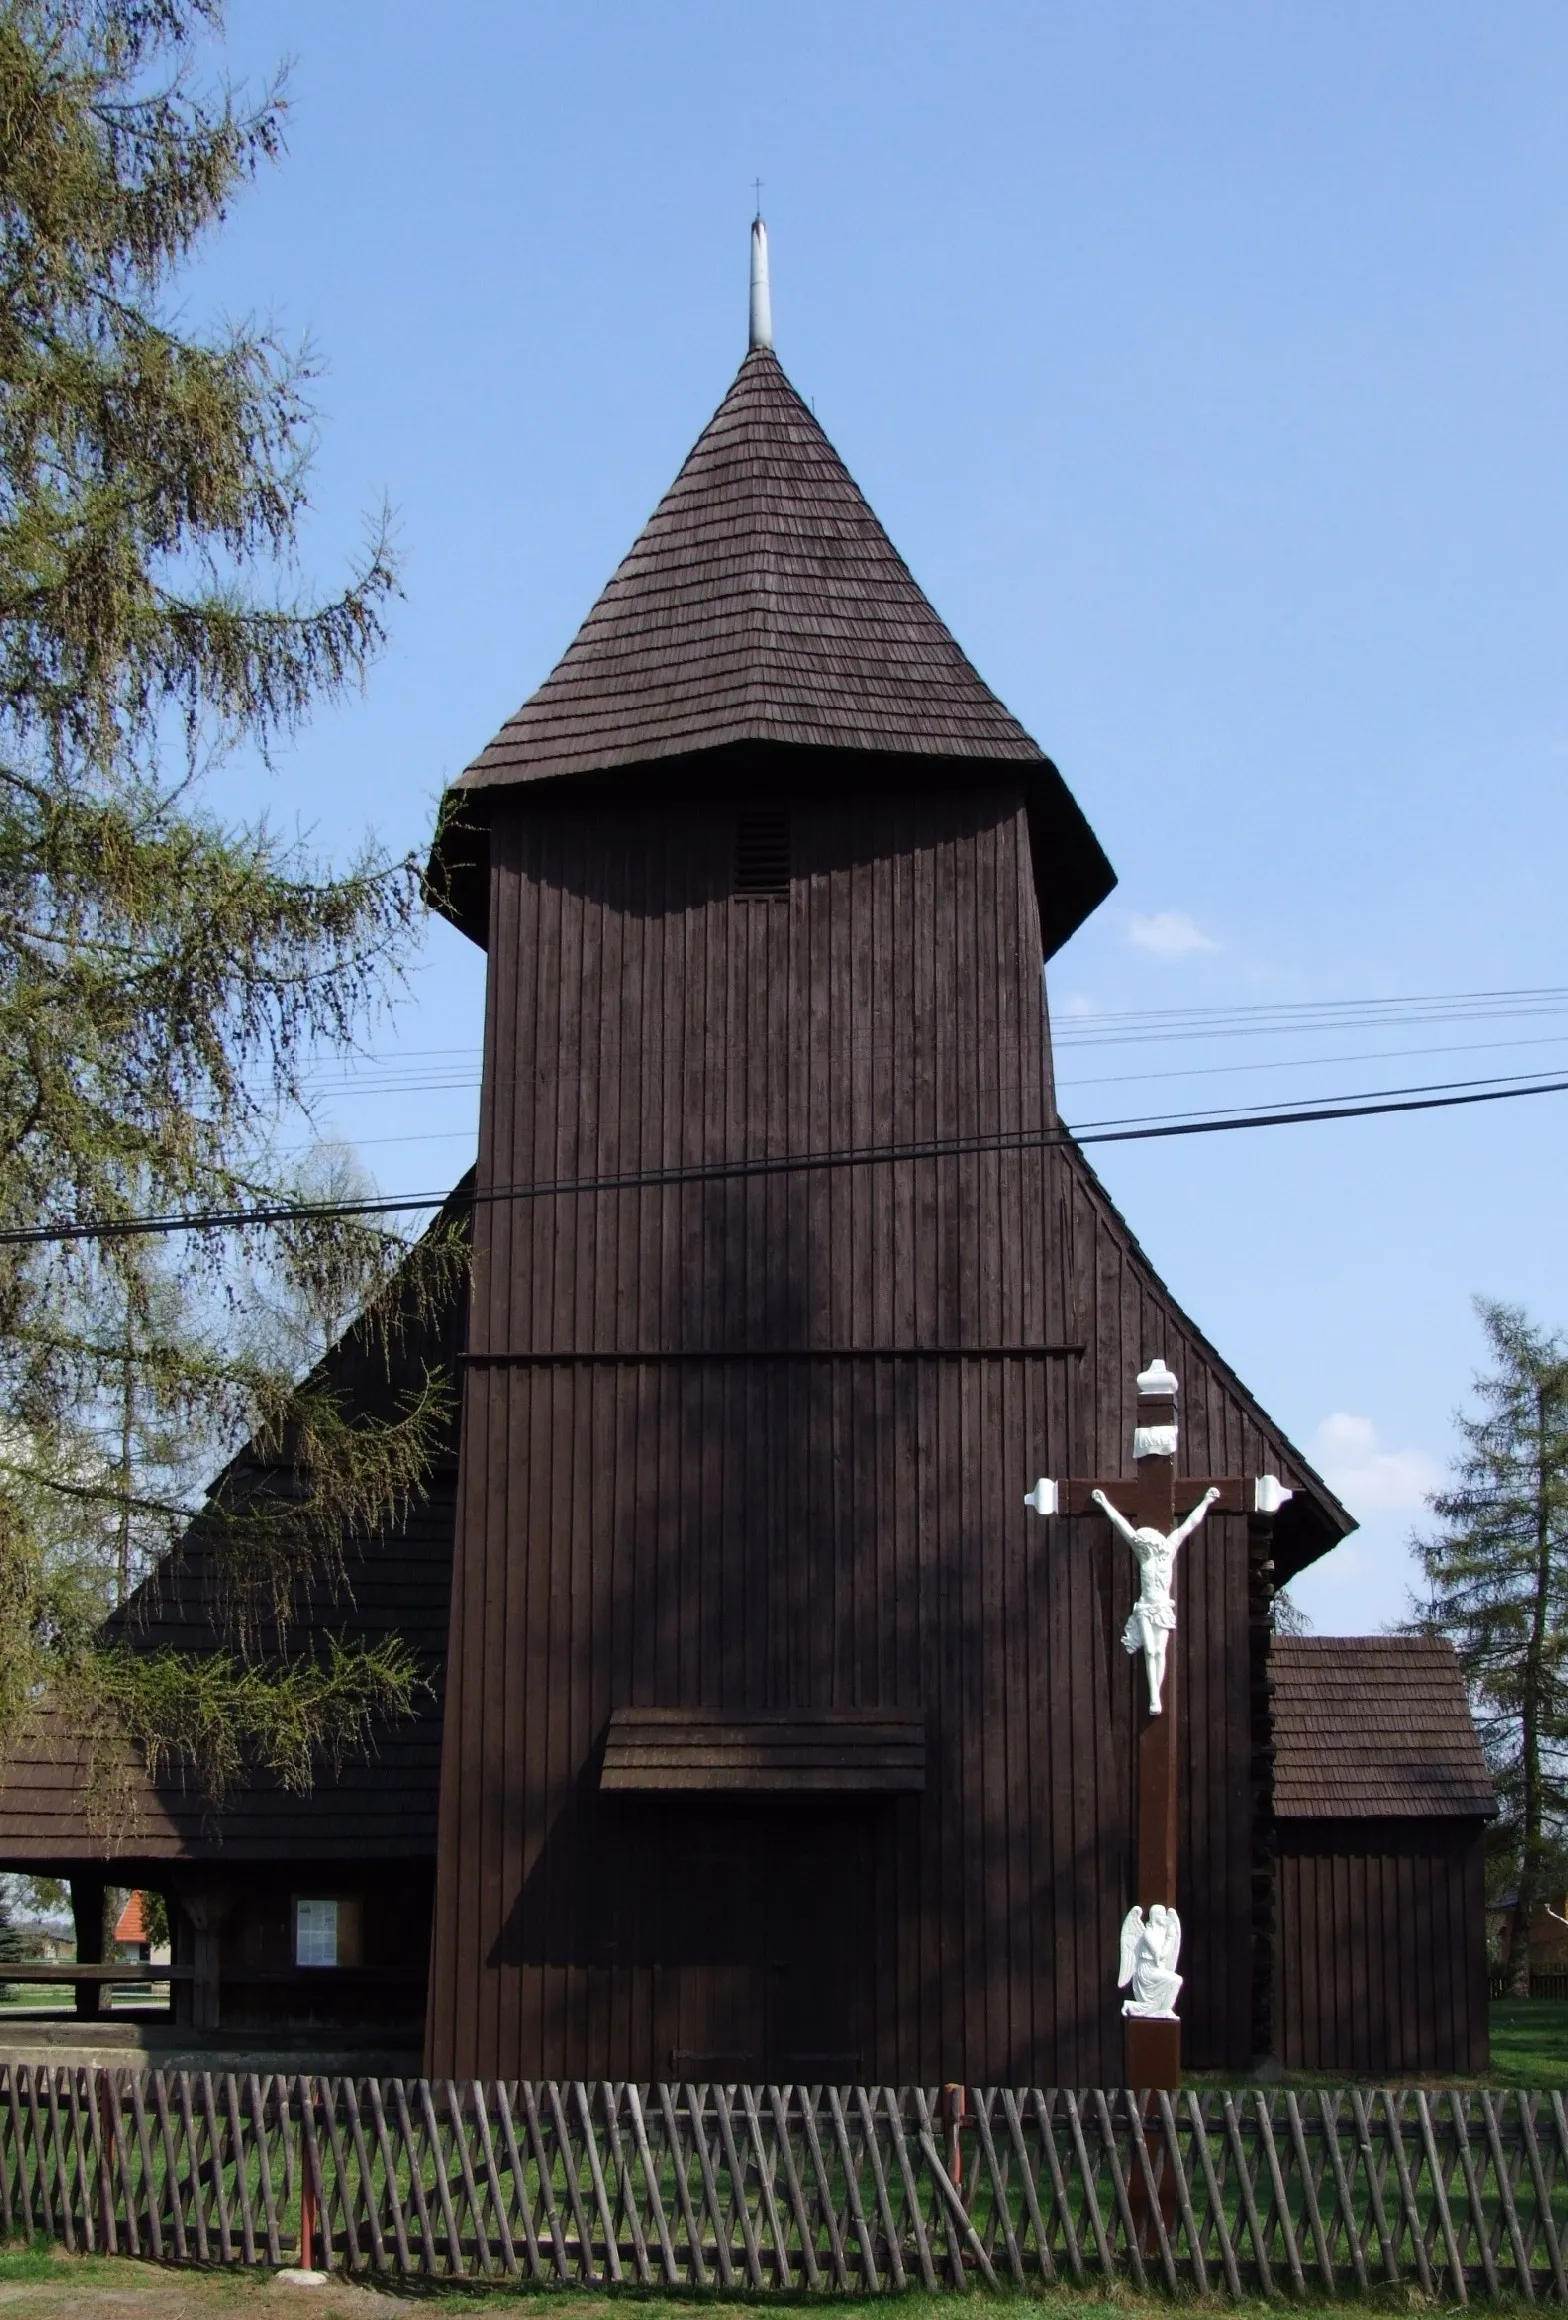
{"points": [[315, 1933], [762, 851], [328, 1932]]}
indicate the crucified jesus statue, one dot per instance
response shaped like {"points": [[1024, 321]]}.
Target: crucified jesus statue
{"points": [[1153, 1616]]}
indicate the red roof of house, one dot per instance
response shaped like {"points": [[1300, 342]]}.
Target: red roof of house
{"points": [[130, 1926]]}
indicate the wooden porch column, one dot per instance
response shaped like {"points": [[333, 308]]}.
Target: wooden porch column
{"points": [[90, 1911], [206, 1906]]}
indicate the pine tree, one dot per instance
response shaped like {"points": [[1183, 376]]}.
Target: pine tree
{"points": [[1497, 1573], [167, 978]]}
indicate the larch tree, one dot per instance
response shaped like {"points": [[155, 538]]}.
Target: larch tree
{"points": [[167, 977], [1497, 1579]]}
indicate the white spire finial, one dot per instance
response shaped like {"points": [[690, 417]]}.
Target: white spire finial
{"points": [[761, 302]]}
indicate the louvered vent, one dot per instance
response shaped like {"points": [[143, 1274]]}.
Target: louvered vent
{"points": [[762, 851]]}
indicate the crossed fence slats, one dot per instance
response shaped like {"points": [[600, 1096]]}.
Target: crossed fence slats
{"points": [[1460, 2193]]}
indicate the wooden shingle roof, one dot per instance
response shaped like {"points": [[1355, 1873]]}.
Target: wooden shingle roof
{"points": [[1374, 1727], [382, 1802], [764, 630], [762, 601]]}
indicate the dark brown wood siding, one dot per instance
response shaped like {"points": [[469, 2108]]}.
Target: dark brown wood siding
{"points": [[380, 1993], [761, 1443], [1382, 1958]]}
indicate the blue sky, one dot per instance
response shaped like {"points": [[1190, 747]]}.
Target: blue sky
{"points": [[1208, 366]]}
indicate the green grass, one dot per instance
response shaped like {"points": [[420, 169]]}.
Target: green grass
{"points": [[1529, 2049], [45, 2261], [1529, 2042]]}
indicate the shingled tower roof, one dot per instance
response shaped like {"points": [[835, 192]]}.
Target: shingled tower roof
{"points": [[762, 601], [764, 605]]}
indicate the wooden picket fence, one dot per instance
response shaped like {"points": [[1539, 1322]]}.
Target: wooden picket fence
{"points": [[1545, 1982], [753, 2189]]}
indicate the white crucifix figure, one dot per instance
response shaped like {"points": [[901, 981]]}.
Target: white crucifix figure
{"points": [[1153, 1616]]}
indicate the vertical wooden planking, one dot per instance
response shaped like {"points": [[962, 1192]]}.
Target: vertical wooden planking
{"points": [[1369, 1911], [640, 1533]]}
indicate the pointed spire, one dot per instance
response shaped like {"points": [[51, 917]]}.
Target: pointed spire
{"points": [[761, 299], [763, 603]]}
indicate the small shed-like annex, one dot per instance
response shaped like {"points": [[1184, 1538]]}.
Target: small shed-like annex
{"points": [[1381, 1799]]}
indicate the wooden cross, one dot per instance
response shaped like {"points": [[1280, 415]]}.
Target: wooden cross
{"points": [[1158, 1498]]}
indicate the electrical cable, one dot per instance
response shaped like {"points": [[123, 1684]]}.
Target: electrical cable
{"points": [[1442, 1095], [1087, 1131], [469, 1083], [1110, 1028]]}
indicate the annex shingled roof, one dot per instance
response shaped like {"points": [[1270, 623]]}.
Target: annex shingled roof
{"points": [[762, 601], [1374, 1727]]}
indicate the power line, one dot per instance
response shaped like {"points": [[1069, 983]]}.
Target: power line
{"points": [[452, 1069], [1074, 1083], [1441, 1096], [1317, 1107], [1524, 999], [1314, 1062], [468, 1083]]}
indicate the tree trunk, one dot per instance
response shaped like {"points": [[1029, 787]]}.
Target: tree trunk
{"points": [[127, 1443], [1530, 1849]]}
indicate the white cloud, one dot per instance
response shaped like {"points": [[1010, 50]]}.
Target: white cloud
{"points": [[1077, 1004], [1170, 934], [1370, 1479]]}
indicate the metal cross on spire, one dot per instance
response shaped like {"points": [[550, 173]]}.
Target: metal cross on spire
{"points": [[761, 297]]}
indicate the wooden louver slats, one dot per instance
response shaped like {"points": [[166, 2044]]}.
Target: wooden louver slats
{"points": [[864, 1751]]}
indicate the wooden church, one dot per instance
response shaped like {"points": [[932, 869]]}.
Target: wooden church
{"points": [[779, 1736], [780, 1739]]}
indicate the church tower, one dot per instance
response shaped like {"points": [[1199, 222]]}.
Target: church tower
{"points": [[781, 1741]]}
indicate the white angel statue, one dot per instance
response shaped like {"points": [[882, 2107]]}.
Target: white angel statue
{"points": [[1153, 1616], [1148, 1960]]}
